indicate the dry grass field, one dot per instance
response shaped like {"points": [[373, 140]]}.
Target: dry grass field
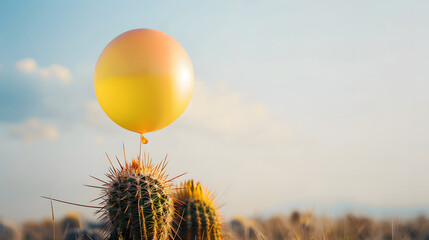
{"points": [[296, 226], [299, 226]]}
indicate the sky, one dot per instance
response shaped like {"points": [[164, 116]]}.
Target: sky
{"points": [[315, 102]]}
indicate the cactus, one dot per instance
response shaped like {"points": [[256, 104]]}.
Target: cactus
{"points": [[70, 222], [197, 216], [9, 230], [138, 202]]}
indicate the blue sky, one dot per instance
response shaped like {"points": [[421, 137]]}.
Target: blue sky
{"points": [[295, 101]]}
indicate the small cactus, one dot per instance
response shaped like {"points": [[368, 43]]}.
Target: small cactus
{"points": [[9, 231], [197, 216], [70, 222], [138, 202]]}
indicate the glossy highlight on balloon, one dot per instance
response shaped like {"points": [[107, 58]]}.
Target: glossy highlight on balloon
{"points": [[143, 80]]}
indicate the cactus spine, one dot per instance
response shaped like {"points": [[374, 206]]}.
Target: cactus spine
{"points": [[138, 202], [197, 216]]}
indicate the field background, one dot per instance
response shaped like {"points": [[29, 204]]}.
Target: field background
{"points": [[295, 226]]}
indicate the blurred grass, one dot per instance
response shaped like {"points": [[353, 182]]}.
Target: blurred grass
{"points": [[300, 226], [295, 226]]}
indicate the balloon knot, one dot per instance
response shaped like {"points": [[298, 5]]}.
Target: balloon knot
{"points": [[144, 140]]}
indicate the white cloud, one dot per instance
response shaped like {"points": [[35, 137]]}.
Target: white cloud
{"points": [[33, 129], [56, 71], [27, 65], [61, 73], [228, 114]]}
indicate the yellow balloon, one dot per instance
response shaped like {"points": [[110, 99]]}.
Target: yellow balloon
{"points": [[143, 80]]}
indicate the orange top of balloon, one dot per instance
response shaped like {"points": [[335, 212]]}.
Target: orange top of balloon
{"points": [[143, 80]]}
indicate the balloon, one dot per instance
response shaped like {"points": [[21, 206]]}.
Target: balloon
{"points": [[143, 80]]}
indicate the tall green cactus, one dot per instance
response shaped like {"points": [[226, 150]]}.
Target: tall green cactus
{"points": [[138, 201], [197, 216]]}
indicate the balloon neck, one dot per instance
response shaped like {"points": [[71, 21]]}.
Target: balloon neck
{"points": [[144, 140]]}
